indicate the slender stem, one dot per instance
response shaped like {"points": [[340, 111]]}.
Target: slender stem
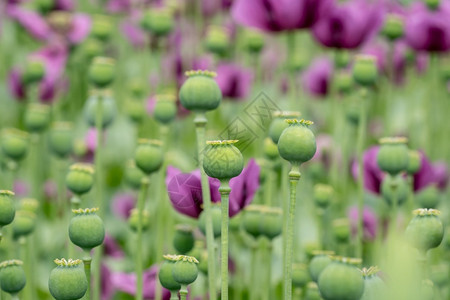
{"points": [[268, 185], [290, 43], [224, 190], [284, 204], [394, 210], [253, 282], [359, 152], [268, 261], [183, 292], [174, 295], [200, 124], [139, 264], [294, 177], [62, 203], [87, 259]]}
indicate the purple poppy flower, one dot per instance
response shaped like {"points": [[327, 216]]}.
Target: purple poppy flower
{"points": [[348, 25], [324, 149], [278, 15], [21, 188], [64, 5], [126, 282], [210, 7], [81, 26], [234, 80], [122, 205], [378, 51], [317, 78], [111, 248], [119, 6], [244, 187], [427, 30], [133, 33], [34, 23], [106, 284], [370, 222], [16, 85]]}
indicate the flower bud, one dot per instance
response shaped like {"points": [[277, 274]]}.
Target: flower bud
{"points": [[183, 240], [165, 108], [86, 229], [217, 40], [165, 273], [394, 188], [216, 216], [341, 230], [428, 197], [297, 143], [133, 175], [34, 71], [102, 27], [24, 223], [158, 21], [102, 71], [135, 110], [80, 178], [252, 220], [278, 123], [7, 208], [200, 92], [319, 262], [414, 162], [61, 139], [137, 88], [323, 194], [37, 117], [149, 155], [365, 70], [12, 276], [343, 82], [108, 109], [185, 270], [425, 231], [374, 286], [272, 222], [393, 27], [133, 220], [270, 149], [341, 280], [222, 160], [67, 280], [14, 143], [393, 155], [253, 40], [29, 204], [341, 59], [300, 275]]}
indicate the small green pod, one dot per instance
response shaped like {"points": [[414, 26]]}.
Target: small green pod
{"points": [[101, 72], [183, 240], [24, 223], [80, 178], [108, 109], [7, 208], [37, 117], [60, 139], [200, 92], [14, 143], [318, 263], [68, 280], [216, 216], [149, 155], [393, 156], [365, 70], [222, 160], [12, 276], [165, 274], [185, 270], [425, 231], [279, 123], [86, 229], [297, 143], [133, 220]]}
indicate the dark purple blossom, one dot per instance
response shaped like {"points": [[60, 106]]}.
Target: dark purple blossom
{"points": [[34, 23], [111, 248], [234, 81], [370, 222], [317, 78], [122, 205], [107, 287]]}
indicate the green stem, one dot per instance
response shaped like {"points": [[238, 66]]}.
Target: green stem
{"points": [[183, 292], [284, 204], [173, 295], [268, 261], [62, 203], [268, 185], [253, 267], [290, 43], [87, 259], [224, 190], [294, 177], [200, 124], [394, 210], [139, 263]]}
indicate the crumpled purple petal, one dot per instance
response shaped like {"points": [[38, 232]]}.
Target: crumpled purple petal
{"points": [[133, 33], [107, 288], [81, 26], [370, 222], [234, 80], [111, 248], [15, 84], [33, 22], [317, 78], [373, 176], [122, 205]]}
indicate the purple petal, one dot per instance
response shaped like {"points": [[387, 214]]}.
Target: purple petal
{"points": [[370, 222], [373, 176], [122, 205], [107, 287], [81, 26], [234, 80], [111, 248], [64, 5], [317, 77], [34, 23], [135, 35], [16, 87], [244, 187]]}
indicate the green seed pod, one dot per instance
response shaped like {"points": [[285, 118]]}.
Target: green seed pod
{"points": [[14, 143], [393, 27], [374, 286], [319, 262], [394, 187], [253, 40], [365, 70], [67, 281], [341, 59], [300, 275], [165, 108], [297, 143], [158, 21], [439, 275], [102, 27], [200, 92], [101, 71], [393, 155], [428, 197], [343, 82], [133, 175], [216, 215], [217, 40], [165, 273], [322, 195], [185, 270], [414, 162], [137, 88], [298, 61], [91, 48], [29, 204], [7, 208], [80, 178], [312, 248], [134, 109], [425, 231], [37, 117], [134, 219], [86, 229], [270, 149], [108, 108], [183, 240], [222, 160], [312, 291], [278, 123], [61, 139], [433, 4], [149, 155], [12, 276], [272, 224], [252, 220], [24, 223], [34, 71], [341, 280], [341, 230]]}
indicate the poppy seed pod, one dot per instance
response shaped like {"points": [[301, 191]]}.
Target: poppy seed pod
{"points": [[134, 219], [14, 143], [341, 280], [297, 143], [183, 240], [102, 71], [341, 230], [134, 109], [270, 149], [165, 273], [222, 160], [300, 275], [165, 108], [149, 155], [29, 204], [319, 262], [217, 40], [216, 215], [200, 92], [343, 82], [24, 223], [12, 276], [60, 139], [394, 188], [67, 281], [7, 207], [393, 155], [253, 40], [322, 195], [91, 48], [278, 123], [428, 197], [272, 222], [185, 270], [37, 117], [86, 229], [414, 162], [108, 108], [102, 27], [312, 291], [425, 231], [34, 71], [137, 88], [158, 21], [365, 70], [341, 59], [374, 286], [298, 61], [80, 178], [393, 27], [133, 175], [252, 220]]}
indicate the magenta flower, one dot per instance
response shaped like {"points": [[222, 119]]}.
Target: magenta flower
{"points": [[278, 15], [81, 27], [317, 78], [133, 33], [111, 248], [34, 23], [370, 222], [122, 205], [64, 5], [234, 80], [119, 6], [106, 284], [185, 190], [348, 25], [21, 188]]}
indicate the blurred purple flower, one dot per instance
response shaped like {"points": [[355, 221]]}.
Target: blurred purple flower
{"points": [[33, 22], [111, 248], [373, 176], [21, 188], [50, 189], [370, 222], [278, 15], [441, 174], [133, 33], [119, 6], [64, 5], [16, 85], [185, 190], [348, 25], [126, 282], [324, 149], [427, 30], [210, 7], [317, 78], [122, 205], [81, 26], [234, 80], [107, 286]]}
